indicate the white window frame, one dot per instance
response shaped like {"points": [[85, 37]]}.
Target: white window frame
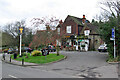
{"points": [[87, 32], [68, 29]]}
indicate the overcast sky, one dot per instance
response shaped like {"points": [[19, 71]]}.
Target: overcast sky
{"points": [[13, 10]]}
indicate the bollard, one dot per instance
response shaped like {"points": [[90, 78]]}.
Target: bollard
{"points": [[4, 56], [22, 62], [10, 58]]}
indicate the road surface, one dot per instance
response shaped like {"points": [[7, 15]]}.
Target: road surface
{"points": [[91, 64]]}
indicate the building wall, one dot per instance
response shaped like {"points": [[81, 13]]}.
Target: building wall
{"points": [[69, 22], [95, 41]]}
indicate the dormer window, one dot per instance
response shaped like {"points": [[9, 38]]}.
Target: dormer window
{"points": [[87, 32], [68, 29]]}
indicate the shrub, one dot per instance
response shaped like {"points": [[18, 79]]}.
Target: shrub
{"points": [[111, 59], [36, 53], [25, 54]]}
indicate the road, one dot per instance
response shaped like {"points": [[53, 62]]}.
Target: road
{"points": [[83, 64], [0, 66], [78, 64], [12, 71]]}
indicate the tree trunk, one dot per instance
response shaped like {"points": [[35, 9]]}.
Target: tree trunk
{"points": [[58, 50]]}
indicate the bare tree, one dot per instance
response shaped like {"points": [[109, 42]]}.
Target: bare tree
{"points": [[48, 36], [13, 29], [46, 21], [110, 8]]}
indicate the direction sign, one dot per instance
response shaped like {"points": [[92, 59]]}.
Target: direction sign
{"points": [[21, 30], [113, 31], [111, 38]]}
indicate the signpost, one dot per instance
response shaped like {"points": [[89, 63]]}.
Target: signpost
{"points": [[113, 38], [21, 30]]}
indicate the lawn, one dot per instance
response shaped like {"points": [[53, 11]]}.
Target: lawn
{"points": [[40, 59]]}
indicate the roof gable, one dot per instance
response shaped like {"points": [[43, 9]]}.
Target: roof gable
{"points": [[77, 20], [89, 26]]}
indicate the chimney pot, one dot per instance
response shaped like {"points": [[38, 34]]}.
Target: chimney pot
{"points": [[84, 16], [60, 22], [83, 19]]}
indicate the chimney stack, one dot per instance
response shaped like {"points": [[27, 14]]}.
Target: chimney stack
{"points": [[48, 28], [83, 16], [60, 22], [83, 19]]}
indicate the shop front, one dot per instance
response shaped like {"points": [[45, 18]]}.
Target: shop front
{"points": [[79, 44]]}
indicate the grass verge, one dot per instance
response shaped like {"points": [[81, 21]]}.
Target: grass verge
{"points": [[40, 59], [114, 59]]}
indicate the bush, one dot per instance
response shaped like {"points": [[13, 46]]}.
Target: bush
{"points": [[25, 54], [111, 59], [36, 53]]}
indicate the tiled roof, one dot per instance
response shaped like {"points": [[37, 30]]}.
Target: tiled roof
{"points": [[78, 20], [91, 27]]}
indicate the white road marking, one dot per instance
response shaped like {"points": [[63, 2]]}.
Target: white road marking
{"points": [[12, 76]]}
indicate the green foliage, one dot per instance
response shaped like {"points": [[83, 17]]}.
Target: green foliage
{"points": [[7, 39], [112, 18], [36, 53], [81, 37], [11, 34], [25, 54], [105, 30], [114, 59]]}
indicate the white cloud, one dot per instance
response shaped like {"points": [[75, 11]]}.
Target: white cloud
{"points": [[12, 10]]}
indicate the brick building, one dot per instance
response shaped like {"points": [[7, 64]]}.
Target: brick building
{"points": [[75, 31]]}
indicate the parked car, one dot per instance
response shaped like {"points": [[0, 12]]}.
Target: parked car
{"points": [[5, 50], [27, 49], [10, 51], [51, 48], [45, 51], [102, 48]]}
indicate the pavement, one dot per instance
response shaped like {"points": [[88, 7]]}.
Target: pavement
{"points": [[0, 67], [91, 64], [7, 60]]}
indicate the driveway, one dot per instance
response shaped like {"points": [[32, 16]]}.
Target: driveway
{"points": [[83, 64]]}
